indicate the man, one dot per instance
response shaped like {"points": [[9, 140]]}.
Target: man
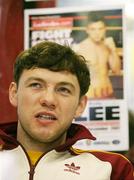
{"points": [[101, 54], [50, 83]]}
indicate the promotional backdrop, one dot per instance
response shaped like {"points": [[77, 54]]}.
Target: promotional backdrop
{"points": [[107, 118]]}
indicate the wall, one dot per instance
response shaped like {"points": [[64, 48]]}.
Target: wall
{"points": [[11, 43]]}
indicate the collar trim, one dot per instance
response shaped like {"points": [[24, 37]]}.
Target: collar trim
{"points": [[75, 133]]}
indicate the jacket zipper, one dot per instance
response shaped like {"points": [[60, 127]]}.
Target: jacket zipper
{"points": [[32, 167], [31, 172]]}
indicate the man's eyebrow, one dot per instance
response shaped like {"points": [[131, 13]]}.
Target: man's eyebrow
{"points": [[64, 83], [33, 79]]}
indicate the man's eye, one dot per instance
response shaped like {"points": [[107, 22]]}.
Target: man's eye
{"points": [[64, 90], [35, 85]]}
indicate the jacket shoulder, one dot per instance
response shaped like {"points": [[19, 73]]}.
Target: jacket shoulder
{"points": [[121, 166]]}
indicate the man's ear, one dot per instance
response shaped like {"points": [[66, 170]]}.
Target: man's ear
{"points": [[81, 106], [13, 94]]}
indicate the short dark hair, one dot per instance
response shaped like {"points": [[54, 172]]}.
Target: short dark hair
{"points": [[54, 57], [95, 16]]}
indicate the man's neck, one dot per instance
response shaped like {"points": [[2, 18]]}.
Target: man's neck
{"points": [[96, 43], [31, 144]]}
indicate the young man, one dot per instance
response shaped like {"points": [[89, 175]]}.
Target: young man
{"points": [[50, 83], [101, 54]]}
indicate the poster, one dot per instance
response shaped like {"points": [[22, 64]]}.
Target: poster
{"points": [[105, 116]]}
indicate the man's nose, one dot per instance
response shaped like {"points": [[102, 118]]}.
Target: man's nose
{"points": [[48, 99]]}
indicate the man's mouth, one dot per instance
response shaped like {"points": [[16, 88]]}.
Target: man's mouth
{"points": [[41, 116]]}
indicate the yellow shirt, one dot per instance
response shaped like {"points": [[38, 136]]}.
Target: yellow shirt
{"points": [[34, 156]]}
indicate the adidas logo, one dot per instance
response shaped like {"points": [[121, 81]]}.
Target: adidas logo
{"points": [[72, 168]]}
